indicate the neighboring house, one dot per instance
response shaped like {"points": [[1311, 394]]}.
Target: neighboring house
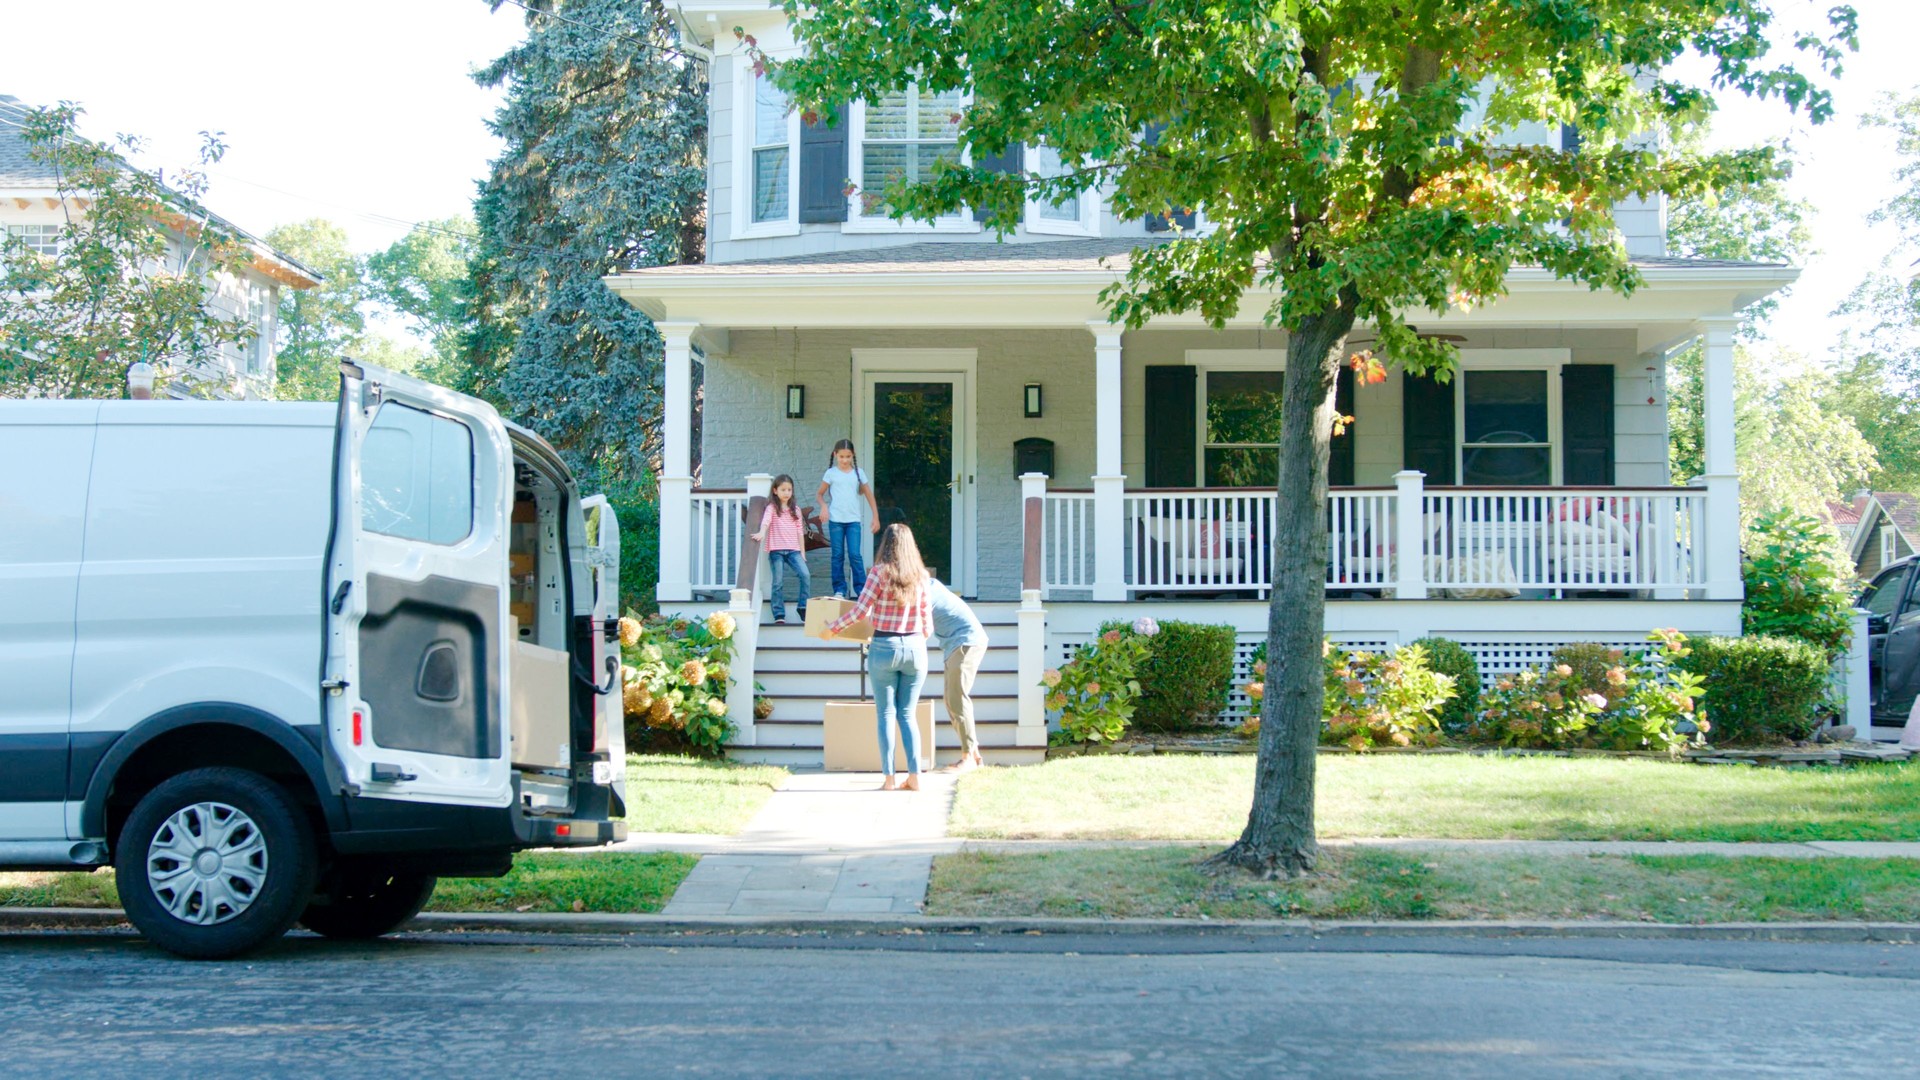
{"points": [[1888, 529], [1843, 518], [963, 369], [32, 212]]}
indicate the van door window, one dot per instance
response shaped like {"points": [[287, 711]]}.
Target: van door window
{"points": [[416, 476], [1883, 596]]}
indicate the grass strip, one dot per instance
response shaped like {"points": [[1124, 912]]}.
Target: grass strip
{"points": [[1382, 884], [1192, 797], [619, 882], [668, 794]]}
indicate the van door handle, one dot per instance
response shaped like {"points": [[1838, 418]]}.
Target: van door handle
{"points": [[340, 597]]}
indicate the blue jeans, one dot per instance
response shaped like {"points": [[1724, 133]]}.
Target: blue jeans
{"points": [[898, 667], [844, 540], [782, 563]]}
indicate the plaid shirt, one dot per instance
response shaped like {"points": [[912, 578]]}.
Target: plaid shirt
{"points": [[784, 533], [879, 606]]}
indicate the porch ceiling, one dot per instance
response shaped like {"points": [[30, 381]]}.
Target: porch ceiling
{"points": [[1030, 287]]}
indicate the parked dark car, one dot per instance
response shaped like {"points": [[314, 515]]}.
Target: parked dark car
{"points": [[1892, 601]]}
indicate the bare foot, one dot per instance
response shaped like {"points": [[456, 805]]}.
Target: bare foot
{"points": [[965, 764], [889, 785], [912, 784]]}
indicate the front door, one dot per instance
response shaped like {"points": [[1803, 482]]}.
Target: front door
{"points": [[918, 462]]}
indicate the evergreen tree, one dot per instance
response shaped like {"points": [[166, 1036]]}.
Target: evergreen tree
{"points": [[604, 170]]}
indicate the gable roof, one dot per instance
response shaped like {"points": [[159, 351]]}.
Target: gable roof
{"points": [[1901, 510], [1845, 515], [21, 171]]}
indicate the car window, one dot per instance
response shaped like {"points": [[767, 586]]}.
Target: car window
{"points": [[416, 476], [1883, 596]]}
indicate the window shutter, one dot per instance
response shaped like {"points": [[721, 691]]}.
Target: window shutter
{"points": [[1172, 442], [1569, 139], [1340, 450], [1006, 161], [823, 170], [1427, 428], [1586, 424], [1159, 223]]}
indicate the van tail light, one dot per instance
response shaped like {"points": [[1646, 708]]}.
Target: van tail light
{"points": [[359, 727], [563, 830]]}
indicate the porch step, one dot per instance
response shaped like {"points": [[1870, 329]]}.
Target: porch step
{"points": [[806, 733], [841, 685], [810, 757]]}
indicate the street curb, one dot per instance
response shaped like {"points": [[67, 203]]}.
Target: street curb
{"points": [[881, 925]]}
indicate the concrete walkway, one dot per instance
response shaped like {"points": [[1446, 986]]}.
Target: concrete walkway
{"points": [[825, 843]]}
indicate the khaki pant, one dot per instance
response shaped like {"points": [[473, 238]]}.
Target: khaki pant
{"points": [[962, 667]]}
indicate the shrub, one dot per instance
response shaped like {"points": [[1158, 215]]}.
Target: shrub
{"points": [[676, 677], [1098, 691], [1450, 658], [1185, 676], [1654, 694], [1759, 690], [1591, 696], [1540, 709], [1796, 584], [1381, 699]]}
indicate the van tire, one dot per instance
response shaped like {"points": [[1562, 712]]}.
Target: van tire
{"points": [[246, 852], [366, 901]]}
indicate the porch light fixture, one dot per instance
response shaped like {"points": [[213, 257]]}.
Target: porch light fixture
{"points": [[796, 402], [1033, 401]]}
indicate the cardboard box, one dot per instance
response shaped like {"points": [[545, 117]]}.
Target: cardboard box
{"points": [[520, 563], [850, 737], [542, 734], [822, 610]]}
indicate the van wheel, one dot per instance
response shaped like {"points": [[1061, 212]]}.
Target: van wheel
{"points": [[366, 901], [214, 863]]}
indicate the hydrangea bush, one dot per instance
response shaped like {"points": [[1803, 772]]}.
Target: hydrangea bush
{"points": [[1592, 697], [676, 677], [1096, 692], [1382, 699]]}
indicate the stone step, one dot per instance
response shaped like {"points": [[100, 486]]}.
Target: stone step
{"points": [[776, 732]]}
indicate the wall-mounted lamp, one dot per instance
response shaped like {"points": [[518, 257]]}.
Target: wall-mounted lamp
{"points": [[1033, 401], [796, 402]]}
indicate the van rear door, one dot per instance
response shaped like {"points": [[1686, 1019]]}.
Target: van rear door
{"points": [[603, 560], [416, 687]]}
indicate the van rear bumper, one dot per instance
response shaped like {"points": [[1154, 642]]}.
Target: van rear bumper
{"points": [[561, 832], [386, 826]]}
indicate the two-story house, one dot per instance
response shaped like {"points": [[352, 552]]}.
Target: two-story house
{"points": [[1066, 472], [34, 212]]}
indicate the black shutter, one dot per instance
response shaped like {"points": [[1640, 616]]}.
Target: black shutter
{"points": [[823, 170], [1340, 450], [1427, 428], [1159, 222], [1171, 439], [1006, 161], [1586, 424], [1569, 139]]}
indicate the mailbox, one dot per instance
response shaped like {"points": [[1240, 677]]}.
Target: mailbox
{"points": [[1033, 455]]}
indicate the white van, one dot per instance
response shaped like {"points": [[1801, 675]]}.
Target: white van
{"points": [[281, 662]]}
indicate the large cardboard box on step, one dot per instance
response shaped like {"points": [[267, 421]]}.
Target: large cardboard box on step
{"points": [[822, 610], [850, 736]]}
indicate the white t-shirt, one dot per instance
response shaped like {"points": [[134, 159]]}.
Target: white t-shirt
{"points": [[843, 493]]}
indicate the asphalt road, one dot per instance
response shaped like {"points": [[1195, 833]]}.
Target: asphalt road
{"points": [[473, 1006]]}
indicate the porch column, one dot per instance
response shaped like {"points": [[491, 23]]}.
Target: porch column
{"points": [[1409, 536], [1109, 486], [1722, 476], [676, 465]]}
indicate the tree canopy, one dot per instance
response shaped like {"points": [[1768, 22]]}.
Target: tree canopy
{"points": [[1353, 159], [604, 170], [318, 327], [129, 278]]}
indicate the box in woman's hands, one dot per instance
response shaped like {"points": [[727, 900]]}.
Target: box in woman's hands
{"points": [[823, 610]]}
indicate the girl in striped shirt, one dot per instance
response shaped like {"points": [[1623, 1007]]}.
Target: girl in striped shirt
{"points": [[783, 535]]}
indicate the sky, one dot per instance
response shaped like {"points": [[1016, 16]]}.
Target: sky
{"points": [[363, 112]]}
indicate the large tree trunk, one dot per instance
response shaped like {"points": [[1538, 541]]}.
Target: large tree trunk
{"points": [[1279, 838]]}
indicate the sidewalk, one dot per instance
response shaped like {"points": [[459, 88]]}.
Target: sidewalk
{"points": [[825, 844]]}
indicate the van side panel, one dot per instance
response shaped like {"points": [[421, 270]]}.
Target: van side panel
{"points": [[206, 531], [45, 452]]}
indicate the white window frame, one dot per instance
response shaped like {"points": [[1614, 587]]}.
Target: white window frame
{"points": [[960, 221], [36, 239], [1206, 361], [745, 118], [260, 313], [1886, 543], [1091, 205], [1550, 361]]}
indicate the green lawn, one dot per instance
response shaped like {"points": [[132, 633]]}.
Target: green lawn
{"points": [[1382, 884], [544, 881], [693, 795], [1189, 797]]}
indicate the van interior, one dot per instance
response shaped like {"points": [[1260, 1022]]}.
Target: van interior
{"points": [[539, 610]]}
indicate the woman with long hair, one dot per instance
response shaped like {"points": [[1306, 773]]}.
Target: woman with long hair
{"points": [[898, 603]]}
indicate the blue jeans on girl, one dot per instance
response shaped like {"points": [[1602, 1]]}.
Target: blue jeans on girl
{"points": [[783, 563], [898, 667], [844, 540]]}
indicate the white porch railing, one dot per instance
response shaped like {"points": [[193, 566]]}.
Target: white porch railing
{"points": [[1480, 542], [716, 526]]}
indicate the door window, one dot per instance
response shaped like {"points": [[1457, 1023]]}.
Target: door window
{"points": [[1883, 596], [416, 476], [913, 464]]}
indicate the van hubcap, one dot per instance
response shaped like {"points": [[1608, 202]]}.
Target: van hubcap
{"points": [[206, 863]]}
